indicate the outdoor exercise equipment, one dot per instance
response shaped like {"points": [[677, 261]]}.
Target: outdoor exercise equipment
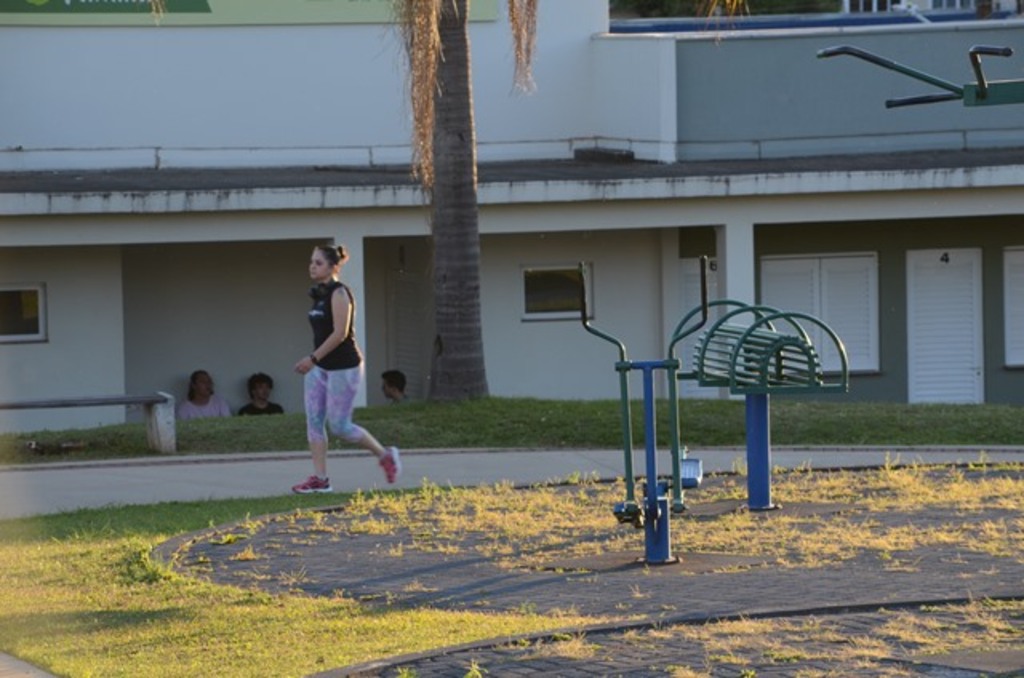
{"points": [[653, 513], [755, 351], [979, 93]]}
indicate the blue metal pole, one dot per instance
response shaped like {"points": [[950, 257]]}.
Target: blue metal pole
{"points": [[759, 453], [657, 546]]}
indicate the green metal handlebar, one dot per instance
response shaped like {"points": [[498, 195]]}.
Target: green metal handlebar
{"points": [[585, 316], [974, 54], [974, 94], [891, 65]]}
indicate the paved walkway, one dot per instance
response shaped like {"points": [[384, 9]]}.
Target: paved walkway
{"points": [[55, 487], [852, 597]]}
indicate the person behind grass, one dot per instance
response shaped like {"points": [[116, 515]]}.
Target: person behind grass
{"points": [[333, 372], [260, 385], [392, 383], [202, 401]]}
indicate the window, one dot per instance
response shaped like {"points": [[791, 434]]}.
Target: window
{"points": [[553, 292], [839, 290], [857, 6], [1013, 306], [22, 313]]}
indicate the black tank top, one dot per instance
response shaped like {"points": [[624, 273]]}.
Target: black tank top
{"points": [[321, 318]]}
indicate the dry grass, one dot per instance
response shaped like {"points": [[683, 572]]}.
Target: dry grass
{"points": [[566, 646], [744, 646], [976, 626], [531, 529]]}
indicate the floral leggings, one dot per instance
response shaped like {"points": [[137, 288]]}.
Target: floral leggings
{"points": [[330, 399]]}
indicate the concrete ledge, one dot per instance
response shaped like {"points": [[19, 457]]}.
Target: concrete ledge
{"points": [[159, 408], [161, 433]]}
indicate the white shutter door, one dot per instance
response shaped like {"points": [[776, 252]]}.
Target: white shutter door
{"points": [[791, 284], [841, 291], [944, 330], [691, 300], [1013, 305], [850, 307]]}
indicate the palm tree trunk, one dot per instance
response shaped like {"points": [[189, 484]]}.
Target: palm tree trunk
{"points": [[458, 370]]}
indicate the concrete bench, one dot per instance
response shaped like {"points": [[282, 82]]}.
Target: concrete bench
{"points": [[159, 409]]}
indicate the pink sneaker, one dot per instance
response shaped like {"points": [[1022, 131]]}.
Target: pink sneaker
{"points": [[312, 484], [392, 464]]}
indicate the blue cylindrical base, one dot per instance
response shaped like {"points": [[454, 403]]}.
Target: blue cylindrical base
{"points": [[657, 544], [759, 453]]}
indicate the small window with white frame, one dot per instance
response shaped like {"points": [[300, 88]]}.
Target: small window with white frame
{"points": [[22, 313], [552, 292]]}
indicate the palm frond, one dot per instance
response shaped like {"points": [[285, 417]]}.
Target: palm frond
{"points": [[418, 21], [522, 17]]}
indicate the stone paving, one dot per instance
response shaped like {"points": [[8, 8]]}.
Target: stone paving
{"points": [[832, 620]]}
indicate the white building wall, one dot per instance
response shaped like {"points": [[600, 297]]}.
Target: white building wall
{"points": [[229, 308], [561, 112], [736, 102], [235, 302], [559, 358], [84, 351], [160, 96], [635, 98]]}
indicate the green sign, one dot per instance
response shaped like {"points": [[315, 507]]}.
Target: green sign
{"points": [[210, 12], [79, 7]]}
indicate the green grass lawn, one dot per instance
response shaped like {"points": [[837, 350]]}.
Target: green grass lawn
{"points": [[81, 597], [555, 424]]}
